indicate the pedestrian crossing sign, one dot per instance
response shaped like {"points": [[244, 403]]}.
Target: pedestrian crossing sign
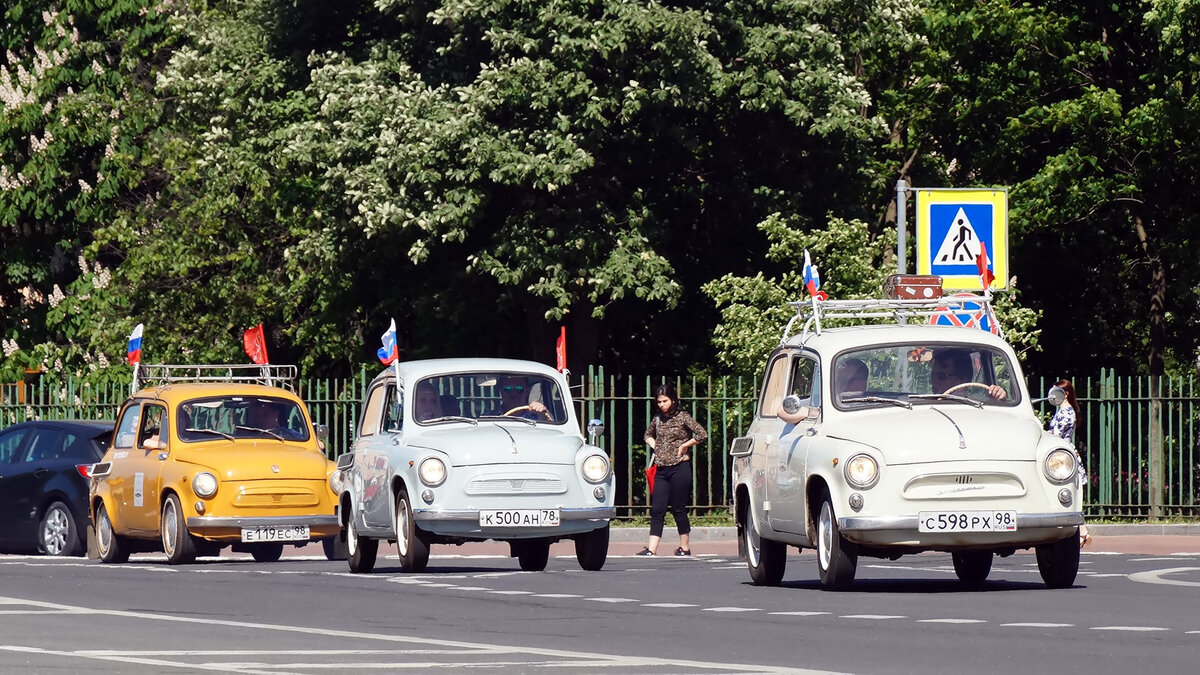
{"points": [[951, 225]]}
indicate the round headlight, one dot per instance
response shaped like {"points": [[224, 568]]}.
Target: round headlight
{"points": [[595, 468], [204, 484], [861, 471], [1060, 465], [432, 471], [335, 482]]}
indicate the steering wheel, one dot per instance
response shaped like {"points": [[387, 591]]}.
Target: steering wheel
{"points": [[544, 413], [964, 385]]}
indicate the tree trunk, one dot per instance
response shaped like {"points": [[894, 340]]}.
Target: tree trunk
{"points": [[1157, 343]]}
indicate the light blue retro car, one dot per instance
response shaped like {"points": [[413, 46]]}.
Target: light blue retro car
{"points": [[456, 450]]}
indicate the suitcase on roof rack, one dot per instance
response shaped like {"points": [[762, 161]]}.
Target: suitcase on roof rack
{"points": [[912, 287]]}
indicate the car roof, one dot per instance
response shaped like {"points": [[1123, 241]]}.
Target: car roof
{"points": [[831, 340], [415, 370], [81, 426]]}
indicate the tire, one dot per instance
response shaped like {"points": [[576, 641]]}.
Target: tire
{"points": [[837, 559], [335, 547], [972, 567], [178, 543], [411, 542], [361, 551], [110, 546], [267, 552], [1059, 562], [57, 533], [591, 548], [765, 559], [533, 555]]}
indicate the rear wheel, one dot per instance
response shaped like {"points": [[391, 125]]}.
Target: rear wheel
{"points": [[766, 559], [362, 550], [178, 543], [591, 548], [837, 559], [112, 547], [972, 567], [267, 552], [57, 534], [1059, 562], [410, 540], [533, 554]]}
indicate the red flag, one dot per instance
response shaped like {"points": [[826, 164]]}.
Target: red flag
{"points": [[256, 344], [560, 349], [985, 275]]}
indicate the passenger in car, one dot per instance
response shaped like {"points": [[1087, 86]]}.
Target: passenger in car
{"points": [[851, 377], [951, 368], [428, 404]]}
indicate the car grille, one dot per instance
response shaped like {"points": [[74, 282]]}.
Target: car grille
{"points": [[516, 484], [964, 485], [281, 498]]}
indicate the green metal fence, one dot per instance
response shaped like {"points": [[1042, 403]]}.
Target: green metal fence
{"points": [[1138, 435]]}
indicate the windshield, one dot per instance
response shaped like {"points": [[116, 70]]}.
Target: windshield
{"points": [[231, 417], [922, 374], [481, 395]]}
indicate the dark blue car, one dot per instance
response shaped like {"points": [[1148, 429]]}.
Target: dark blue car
{"points": [[44, 484]]}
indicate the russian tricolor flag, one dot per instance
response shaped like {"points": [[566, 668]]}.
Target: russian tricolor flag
{"points": [[812, 278], [135, 345], [388, 353]]}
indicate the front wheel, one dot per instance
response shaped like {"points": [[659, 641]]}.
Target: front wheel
{"points": [[766, 559], [57, 534], [837, 559], [972, 567], [267, 552], [361, 550], [591, 548], [1059, 562], [411, 542], [533, 554], [112, 547], [178, 543]]}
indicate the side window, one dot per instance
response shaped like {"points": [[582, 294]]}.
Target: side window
{"points": [[372, 411], [153, 424], [44, 445], [10, 444], [126, 427], [805, 382], [393, 411], [773, 387]]}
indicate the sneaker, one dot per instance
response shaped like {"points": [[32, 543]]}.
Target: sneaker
{"points": [[645, 551], [682, 551]]}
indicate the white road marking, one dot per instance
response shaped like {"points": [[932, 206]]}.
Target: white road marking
{"points": [[799, 613], [1159, 559], [731, 609], [873, 617], [556, 595], [611, 600], [1156, 577], [511, 592], [951, 621], [1038, 625], [669, 605], [1133, 629]]}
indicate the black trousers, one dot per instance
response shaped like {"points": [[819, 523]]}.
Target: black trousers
{"points": [[672, 492]]}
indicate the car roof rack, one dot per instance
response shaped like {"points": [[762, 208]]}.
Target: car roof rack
{"points": [[895, 310], [154, 374]]}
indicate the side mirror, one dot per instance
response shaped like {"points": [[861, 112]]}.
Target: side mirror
{"points": [[321, 431], [791, 404], [793, 411], [594, 429], [1054, 397]]}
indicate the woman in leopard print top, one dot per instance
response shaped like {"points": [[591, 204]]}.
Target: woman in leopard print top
{"points": [[671, 435]]}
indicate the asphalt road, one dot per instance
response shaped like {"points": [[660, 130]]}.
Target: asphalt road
{"points": [[474, 609]]}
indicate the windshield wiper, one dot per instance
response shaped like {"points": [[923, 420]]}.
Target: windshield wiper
{"points": [[947, 397], [222, 434], [526, 420], [450, 418], [877, 399], [261, 431]]}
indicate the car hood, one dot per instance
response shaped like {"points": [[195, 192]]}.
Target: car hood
{"points": [[255, 462], [925, 434], [506, 443]]}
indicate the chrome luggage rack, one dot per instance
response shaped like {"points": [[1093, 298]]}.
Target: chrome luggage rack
{"points": [[812, 312], [147, 374]]}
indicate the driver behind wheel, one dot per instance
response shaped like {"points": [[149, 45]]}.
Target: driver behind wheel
{"points": [[951, 368], [514, 400]]}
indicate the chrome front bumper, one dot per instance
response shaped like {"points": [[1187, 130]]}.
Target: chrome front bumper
{"points": [[1024, 521], [472, 515], [209, 522]]}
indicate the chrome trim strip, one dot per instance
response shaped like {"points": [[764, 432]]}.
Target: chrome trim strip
{"points": [[211, 521], [1024, 521], [430, 515]]}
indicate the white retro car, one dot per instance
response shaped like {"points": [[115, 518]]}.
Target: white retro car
{"points": [[456, 450], [886, 440]]}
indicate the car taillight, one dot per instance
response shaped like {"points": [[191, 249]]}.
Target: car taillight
{"points": [[84, 470]]}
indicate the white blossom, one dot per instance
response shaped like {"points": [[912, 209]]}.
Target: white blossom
{"points": [[56, 296]]}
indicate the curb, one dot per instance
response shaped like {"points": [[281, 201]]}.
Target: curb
{"points": [[707, 534]]}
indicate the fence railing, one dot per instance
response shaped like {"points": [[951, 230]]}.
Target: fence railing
{"points": [[1138, 436]]}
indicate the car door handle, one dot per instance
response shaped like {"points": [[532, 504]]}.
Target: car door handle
{"points": [[162, 456]]}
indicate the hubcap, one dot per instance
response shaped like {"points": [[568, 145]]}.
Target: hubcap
{"points": [[351, 537], [753, 543], [402, 542], [54, 535], [825, 536], [169, 527], [104, 537]]}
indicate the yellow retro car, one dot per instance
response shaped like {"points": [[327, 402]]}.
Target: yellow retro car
{"points": [[208, 457]]}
